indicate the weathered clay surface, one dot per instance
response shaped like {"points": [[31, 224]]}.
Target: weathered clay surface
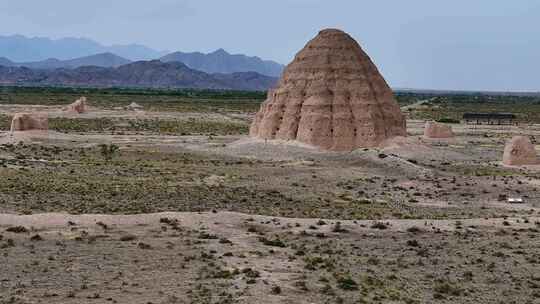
{"points": [[79, 106], [520, 151], [29, 121], [331, 96], [437, 130]]}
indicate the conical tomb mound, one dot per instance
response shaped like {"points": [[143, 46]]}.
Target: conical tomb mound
{"points": [[331, 96]]}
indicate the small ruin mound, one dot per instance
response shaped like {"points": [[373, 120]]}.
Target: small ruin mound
{"points": [[79, 106], [437, 130], [134, 107], [520, 151], [331, 96], [29, 121]]}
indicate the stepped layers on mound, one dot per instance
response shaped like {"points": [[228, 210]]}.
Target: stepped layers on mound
{"points": [[437, 130], [331, 96], [78, 107], [29, 121], [520, 151]]}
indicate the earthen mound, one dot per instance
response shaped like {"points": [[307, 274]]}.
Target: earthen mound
{"points": [[520, 151], [331, 96], [29, 121], [134, 107], [437, 130], [78, 107]]}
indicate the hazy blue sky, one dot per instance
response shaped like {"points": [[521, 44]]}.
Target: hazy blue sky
{"points": [[458, 44]]}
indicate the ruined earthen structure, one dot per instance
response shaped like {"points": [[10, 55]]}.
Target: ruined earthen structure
{"points": [[331, 96], [29, 121], [520, 151], [79, 106], [437, 130], [134, 107]]}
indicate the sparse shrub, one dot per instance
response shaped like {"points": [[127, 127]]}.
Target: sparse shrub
{"points": [[413, 243], [468, 275], [207, 236], [302, 285], [223, 274], [250, 273], [275, 242], [338, 228], [447, 288], [312, 263], [102, 225], [224, 241], [36, 238], [128, 238], [414, 229], [108, 151], [347, 283], [142, 245], [17, 229], [373, 261], [276, 290], [448, 120], [379, 225], [327, 290]]}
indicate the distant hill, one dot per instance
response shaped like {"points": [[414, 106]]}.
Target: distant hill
{"points": [[101, 60], [143, 74], [40, 52], [5, 62], [23, 49], [222, 62]]}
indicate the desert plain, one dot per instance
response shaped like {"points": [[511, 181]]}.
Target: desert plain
{"points": [[174, 203]]}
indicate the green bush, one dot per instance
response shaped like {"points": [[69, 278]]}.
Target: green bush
{"points": [[346, 283], [448, 120]]}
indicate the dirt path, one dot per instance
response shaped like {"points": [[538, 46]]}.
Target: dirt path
{"points": [[228, 222], [55, 111]]}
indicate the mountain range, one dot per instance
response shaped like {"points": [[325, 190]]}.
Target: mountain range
{"points": [[83, 62], [222, 62], [101, 60], [140, 74], [45, 53], [24, 49]]}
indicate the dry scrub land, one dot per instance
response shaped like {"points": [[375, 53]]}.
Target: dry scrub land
{"points": [[254, 222]]}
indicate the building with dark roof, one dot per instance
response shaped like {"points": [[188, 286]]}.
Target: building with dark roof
{"points": [[490, 118]]}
